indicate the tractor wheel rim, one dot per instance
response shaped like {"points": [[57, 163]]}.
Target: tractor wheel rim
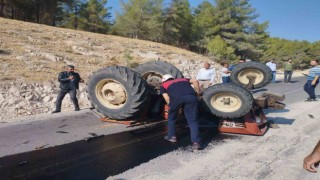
{"points": [[226, 102], [246, 74], [111, 93], [153, 78]]}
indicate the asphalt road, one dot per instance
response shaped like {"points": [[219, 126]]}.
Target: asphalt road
{"points": [[64, 135], [56, 129], [294, 91]]}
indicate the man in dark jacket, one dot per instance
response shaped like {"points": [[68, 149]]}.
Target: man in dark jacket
{"points": [[69, 83], [179, 93]]}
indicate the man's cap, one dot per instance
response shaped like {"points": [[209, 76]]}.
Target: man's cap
{"points": [[71, 66], [166, 77]]}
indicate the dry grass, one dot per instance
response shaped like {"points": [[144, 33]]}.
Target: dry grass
{"points": [[36, 52]]}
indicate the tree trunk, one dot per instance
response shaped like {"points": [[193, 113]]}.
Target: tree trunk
{"points": [[75, 17], [53, 20], [1, 8], [38, 13], [12, 11]]}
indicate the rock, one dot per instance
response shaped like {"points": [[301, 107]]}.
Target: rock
{"points": [[47, 99], [29, 97], [52, 57], [3, 105], [47, 87], [13, 89]]}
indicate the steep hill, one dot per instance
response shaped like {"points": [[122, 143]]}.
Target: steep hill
{"points": [[32, 55], [33, 52]]}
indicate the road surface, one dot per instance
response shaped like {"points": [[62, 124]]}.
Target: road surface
{"points": [[60, 136]]}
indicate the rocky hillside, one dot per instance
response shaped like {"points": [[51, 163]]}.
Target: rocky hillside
{"points": [[32, 55]]}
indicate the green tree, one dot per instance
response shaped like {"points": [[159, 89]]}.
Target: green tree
{"points": [[314, 51], [97, 16], [51, 12], [38, 11], [220, 49], [281, 50], [204, 27], [177, 27], [139, 19], [234, 22], [71, 13]]}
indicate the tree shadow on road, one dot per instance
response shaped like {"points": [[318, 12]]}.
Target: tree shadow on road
{"points": [[267, 111], [282, 120]]}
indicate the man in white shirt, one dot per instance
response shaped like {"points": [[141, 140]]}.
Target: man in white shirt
{"points": [[206, 76], [273, 67]]}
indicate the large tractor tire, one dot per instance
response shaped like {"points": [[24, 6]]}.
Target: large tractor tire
{"points": [[118, 92], [261, 74], [227, 100], [153, 71]]}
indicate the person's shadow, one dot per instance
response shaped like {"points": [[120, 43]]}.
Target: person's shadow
{"points": [[258, 90], [291, 82]]}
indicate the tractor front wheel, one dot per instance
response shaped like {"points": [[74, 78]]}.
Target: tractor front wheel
{"points": [[243, 72], [227, 100]]}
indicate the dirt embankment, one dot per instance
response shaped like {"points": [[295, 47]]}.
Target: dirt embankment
{"points": [[32, 55]]}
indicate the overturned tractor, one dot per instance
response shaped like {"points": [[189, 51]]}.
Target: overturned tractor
{"points": [[122, 93]]}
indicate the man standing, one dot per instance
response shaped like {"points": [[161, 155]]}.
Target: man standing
{"points": [[206, 76], [179, 93], [288, 69], [312, 160], [273, 67], [225, 73], [69, 83], [312, 80], [234, 65]]}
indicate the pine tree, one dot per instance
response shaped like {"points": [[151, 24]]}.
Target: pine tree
{"points": [[204, 27], [140, 19], [281, 50], [71, 13], [235, 23], [314, 51], [97, 16], [177, 27], [220, 49]]}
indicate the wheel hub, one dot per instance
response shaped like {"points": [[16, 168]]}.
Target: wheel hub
{"points": [[226, 102], [113, 93], [153, 79], [250, 74]]}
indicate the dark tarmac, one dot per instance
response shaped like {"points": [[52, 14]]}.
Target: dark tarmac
{"points": [[96, 158]]}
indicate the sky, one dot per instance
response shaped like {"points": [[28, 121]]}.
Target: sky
{"points": [[288, 19]]}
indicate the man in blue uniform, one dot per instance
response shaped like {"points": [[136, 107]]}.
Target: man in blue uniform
{"points": [[69, 83], [179, 93]]}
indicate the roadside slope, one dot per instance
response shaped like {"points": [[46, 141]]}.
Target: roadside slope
{"points": [[32, 55], [31, 51]]}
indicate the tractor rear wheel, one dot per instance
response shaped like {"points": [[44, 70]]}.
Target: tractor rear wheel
{"points": [[118, 92], [227, 100], [242, 72], [153, 71]]}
